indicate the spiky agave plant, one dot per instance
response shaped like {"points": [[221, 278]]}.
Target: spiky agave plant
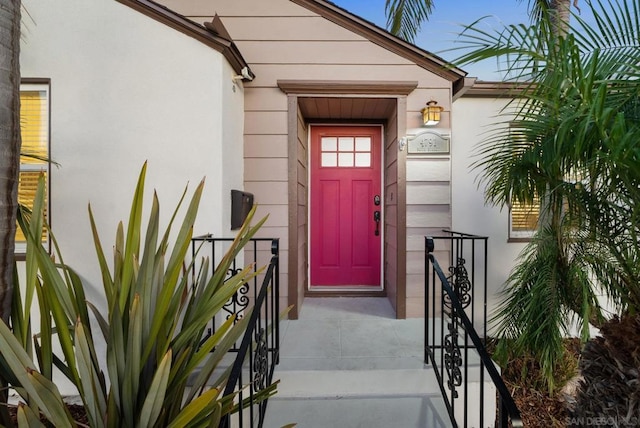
{"points": [[155, 322]]}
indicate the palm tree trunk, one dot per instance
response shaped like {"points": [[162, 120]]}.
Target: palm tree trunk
{"points": [[9, 145], [9, 161], [560, 13]]}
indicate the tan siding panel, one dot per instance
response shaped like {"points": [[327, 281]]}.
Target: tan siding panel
{"points": [[415, 306], [415, 262], [391, 233], [391, 174], [284, 298], [265, 256], [302, 158], [268, 192], [286, 28], [419, 169], [417, 99], [436, 216], [302, 215], [263, 169], [302, 139], [415, 285], [390, 215], [269, 122], [391, 130], [392, 259], [265, 146], [277, 215], [317, 52], [391, 157], [415, 238], [275, 232], [302, 170], [268, 74], [442, 255], [302, 164], [428, 193], [302, 194], [391, 293], [237, 8], [264, 99]]}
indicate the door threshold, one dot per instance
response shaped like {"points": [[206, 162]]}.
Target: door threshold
{"points": [[337, 291]]}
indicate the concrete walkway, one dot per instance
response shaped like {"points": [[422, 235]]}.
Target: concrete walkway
{"points": [[347, 363]]}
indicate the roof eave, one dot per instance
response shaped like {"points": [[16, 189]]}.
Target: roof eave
{"points": [[491, 89], [387, 40], [192, 29]]}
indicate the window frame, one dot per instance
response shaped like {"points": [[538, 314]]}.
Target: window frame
{"points": [[527, 234], [44, 85]]}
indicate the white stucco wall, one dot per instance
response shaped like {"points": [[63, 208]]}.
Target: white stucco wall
{"points": [[472, 117], [126, 89]]}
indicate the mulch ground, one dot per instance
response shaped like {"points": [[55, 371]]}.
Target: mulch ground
{"points": [[76, 410], [537, 408]]}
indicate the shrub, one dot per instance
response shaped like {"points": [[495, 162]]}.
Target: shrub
{"points": [[153, 328]]}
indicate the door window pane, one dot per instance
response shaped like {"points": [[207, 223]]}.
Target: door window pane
{"points": [[345, 159], [346, 152], [363, 159], [329, 159], [345, 144], [329, 144], [363, 144]]}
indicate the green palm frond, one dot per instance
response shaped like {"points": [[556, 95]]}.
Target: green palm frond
{"points": [[405, 17], [570, 138]]}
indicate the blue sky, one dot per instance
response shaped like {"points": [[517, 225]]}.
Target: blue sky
{"points": [[447, 20]]}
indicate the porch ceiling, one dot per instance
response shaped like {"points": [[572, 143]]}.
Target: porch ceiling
{"points": [[347, 108]]}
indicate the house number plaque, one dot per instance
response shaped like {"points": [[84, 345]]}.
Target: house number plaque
{"points": [[428, 143]]}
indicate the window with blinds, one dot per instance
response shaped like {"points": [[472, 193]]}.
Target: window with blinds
{"points": [[523, 219], [34, 154]]}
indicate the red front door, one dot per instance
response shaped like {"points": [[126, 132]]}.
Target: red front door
{"points": [[346, 205]]}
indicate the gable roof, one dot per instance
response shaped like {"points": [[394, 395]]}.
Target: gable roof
{"points": [[385, 39], [213, 35]]}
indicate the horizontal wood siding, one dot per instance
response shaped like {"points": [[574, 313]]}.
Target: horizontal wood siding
{"points": [[282, 41], [428, 213], [302, 204], [260, 8], [311, 28], [390, 250]]}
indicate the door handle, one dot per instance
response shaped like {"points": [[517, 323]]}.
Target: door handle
{"points": [[376, 218]]}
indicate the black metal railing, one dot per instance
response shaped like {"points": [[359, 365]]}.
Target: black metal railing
{"points": [[455, 310], [257, 353]]}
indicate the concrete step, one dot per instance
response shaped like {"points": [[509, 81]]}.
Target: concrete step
{"points": [[396, 412], [356, 383], [357, 398]]}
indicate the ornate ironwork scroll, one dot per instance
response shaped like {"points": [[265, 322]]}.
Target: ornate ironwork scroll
{"points": [[461, 284], [239, 301], [260, 361], [459, 281], [453, 357]]}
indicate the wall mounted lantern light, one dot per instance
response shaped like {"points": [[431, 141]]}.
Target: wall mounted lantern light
{"points": [[431, 113]]}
